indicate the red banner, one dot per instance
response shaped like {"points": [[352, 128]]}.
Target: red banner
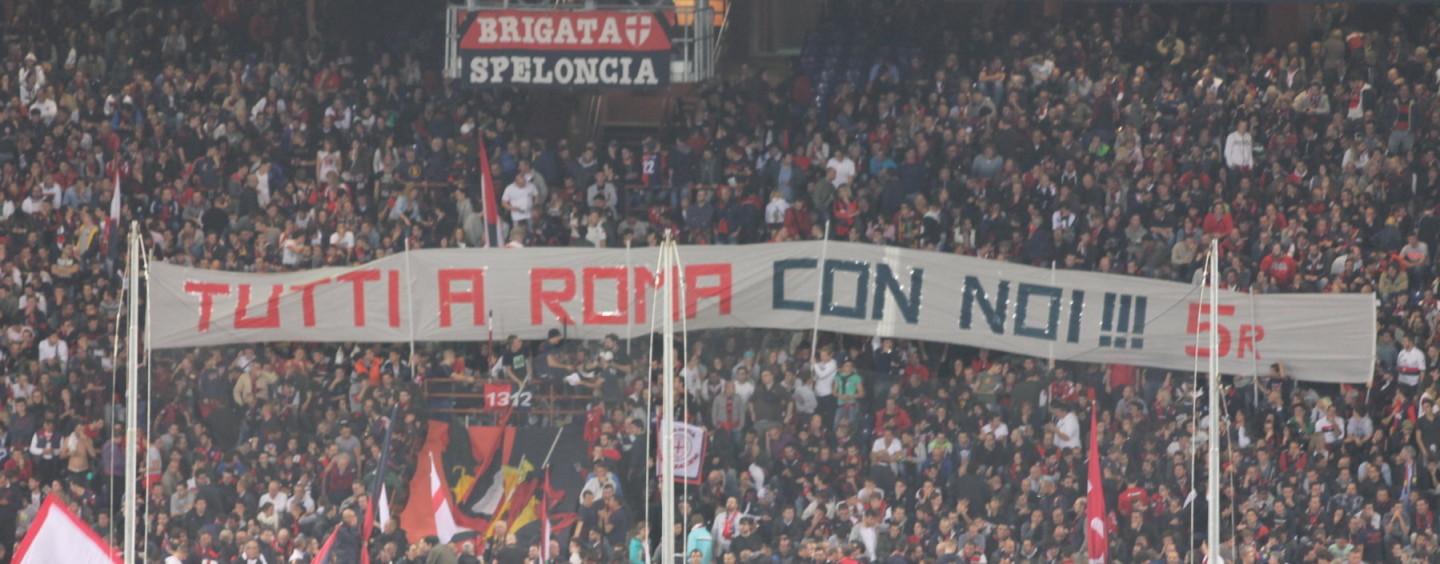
{"points": [[512, 30], [563, 48]]}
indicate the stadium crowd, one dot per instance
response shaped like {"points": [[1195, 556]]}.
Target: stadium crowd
{"points": [[246, 136]]}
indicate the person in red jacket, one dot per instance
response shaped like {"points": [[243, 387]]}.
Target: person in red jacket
{"points": [[892, 416], [798, 220], [1218, 222], [1280, 266]]}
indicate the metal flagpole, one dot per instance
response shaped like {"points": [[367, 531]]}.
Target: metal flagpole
{"points": [[410, 303], [149, 377], [132, 396], [819, 289], [629, 326], [1212, 486], [667, 421], [1255, 358]]}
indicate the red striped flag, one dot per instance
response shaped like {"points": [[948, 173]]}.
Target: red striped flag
{"points": [[487, 196]]}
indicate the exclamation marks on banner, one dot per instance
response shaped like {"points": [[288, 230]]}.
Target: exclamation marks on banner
{"points": [[1123, 327]]}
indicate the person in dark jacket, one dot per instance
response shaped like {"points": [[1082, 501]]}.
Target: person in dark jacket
{"points": [[347, 539]]}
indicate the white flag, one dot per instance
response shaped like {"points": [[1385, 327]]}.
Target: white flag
{"points": [[445, 526], [689, 457], [56, 535], [382, 508]]}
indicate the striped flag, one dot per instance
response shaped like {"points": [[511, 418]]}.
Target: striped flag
{"points": [[487, 197], [445, 526]]}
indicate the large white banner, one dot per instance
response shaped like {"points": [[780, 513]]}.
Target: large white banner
{"points": [[462, 295]]}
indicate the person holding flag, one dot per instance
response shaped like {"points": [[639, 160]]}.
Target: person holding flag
{"points": [[349, 542]]}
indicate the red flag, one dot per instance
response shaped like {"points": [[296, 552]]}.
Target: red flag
{"points": [[366, 527], [487, 196], [324, 553], [323, 556], [1097, 539]]}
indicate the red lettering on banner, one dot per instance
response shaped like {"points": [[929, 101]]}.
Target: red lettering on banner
{"points": [[551, 299], [622, 303], [694, 291], [394, 298], [272, 309], [358, 279], [475, 296], [645, 282], [1249, 335], [307, 298], [1194, 326], [207, 292]]}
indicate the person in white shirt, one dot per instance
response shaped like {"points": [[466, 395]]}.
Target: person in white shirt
{"points": [[21, 388], [276, 497], [996, 427], [824, 384], [775, 210], [867, 533], [595, 230], [1330, 426], [292, 248], [519, 197], [843, 166], [46, 106], [1240, 147], [887, 450], [180, 554], [1066, 426], [744, 385], [54, 351], [327, 160], [252, 555], [727, 524], [1410, 363], [343, 237]]}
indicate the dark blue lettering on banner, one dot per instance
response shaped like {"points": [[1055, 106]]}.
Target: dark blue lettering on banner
{"points": [[885, 282], [777, 280], [887, 286], [1022, 310], [997, 306], [827, 289], [994, 311], [1123, 326]]}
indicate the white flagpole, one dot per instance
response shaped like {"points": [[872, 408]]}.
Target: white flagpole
{"points": [[132, 396], [667, 420], [819, 289], [629, 325], [410, 304], [1212, 487]]}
